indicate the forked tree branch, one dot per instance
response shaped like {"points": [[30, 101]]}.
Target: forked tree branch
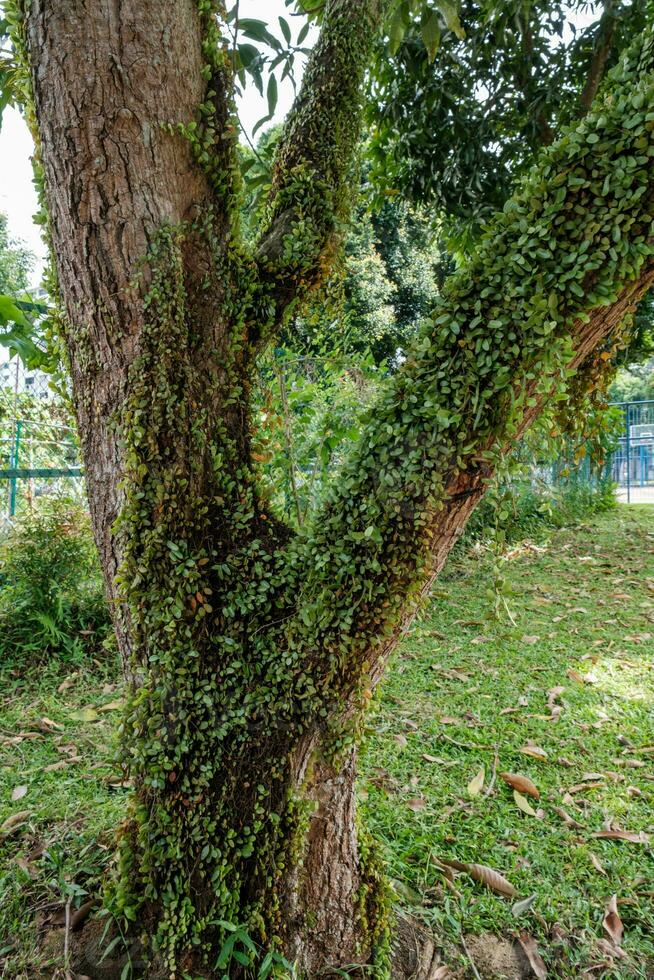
{"points": [[555, 273]]}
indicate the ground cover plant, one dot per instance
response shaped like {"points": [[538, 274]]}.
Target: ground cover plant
{"points": [[562, 695]]}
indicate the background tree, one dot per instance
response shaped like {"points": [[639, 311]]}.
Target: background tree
{"points": [[252, 651], [15, 262]]}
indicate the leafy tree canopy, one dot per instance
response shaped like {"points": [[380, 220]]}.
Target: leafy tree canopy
{"points": [[456, 129]]}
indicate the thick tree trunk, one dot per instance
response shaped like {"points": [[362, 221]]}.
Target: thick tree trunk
{"points": [[251, 653]]}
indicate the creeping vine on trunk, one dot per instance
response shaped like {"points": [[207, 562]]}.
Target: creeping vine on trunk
{"points": [[252, 651]]}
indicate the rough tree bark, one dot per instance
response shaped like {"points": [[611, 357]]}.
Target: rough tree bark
{"points": [[252, 652]]}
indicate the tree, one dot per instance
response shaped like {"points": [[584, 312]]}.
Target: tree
{"points": [[251, 651], [15, 262]]}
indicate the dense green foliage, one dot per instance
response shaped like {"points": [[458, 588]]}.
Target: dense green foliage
{"points": [[51, 596], [457, 130]]}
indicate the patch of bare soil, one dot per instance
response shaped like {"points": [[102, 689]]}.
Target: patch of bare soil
{"points": [[498, 959]]}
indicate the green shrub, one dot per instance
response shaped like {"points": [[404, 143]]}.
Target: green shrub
{"points": [[524, 508], [51, 594]]}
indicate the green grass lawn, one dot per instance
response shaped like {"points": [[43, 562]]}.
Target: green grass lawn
{"points": [[560, 690], [467, 692]]}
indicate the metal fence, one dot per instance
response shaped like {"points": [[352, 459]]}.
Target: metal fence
{"points": [[39, 454], [632, 464]]}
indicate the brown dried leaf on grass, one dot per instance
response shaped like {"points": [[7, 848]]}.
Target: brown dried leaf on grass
{"points": [[567, 819], [485, 876], [597, 864], [612, 922], [530, 948], [628, 835], [522, 783], [13, 822]]}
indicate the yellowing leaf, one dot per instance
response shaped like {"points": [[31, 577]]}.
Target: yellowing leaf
{"points": [[523, 804], [476, 785], [112, 706], [535, 752]]}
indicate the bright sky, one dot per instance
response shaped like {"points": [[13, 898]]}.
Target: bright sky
{"points": [[17, 194]]}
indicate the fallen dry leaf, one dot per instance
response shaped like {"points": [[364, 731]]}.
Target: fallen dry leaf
{"points": [[574, 675], [530, 639], [597, 864], [523, 905], [535, 752], [113, 705], [485, 876], [530, 948], [476, 785], [553, 694], [85, 714], [585, 787], [68, 682], [18, 792], [522, 783], [523, 804], [416, 803], [567, 819], [48, 725], [612, 922], [13, 822], [633, 838]]}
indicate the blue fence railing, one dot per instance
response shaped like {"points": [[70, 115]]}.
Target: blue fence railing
{"points": [[632, 464]]}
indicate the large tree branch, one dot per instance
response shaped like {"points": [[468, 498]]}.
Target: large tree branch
{"points": [[309, 197], [601, 51], [553, 275]]}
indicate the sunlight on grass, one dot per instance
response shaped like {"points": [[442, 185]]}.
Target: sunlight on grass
{"points": [[573, 680]]}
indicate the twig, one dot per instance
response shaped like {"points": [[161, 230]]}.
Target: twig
{"points": [[68, 974], [491, 785], [462, 745], [470, 959]]}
